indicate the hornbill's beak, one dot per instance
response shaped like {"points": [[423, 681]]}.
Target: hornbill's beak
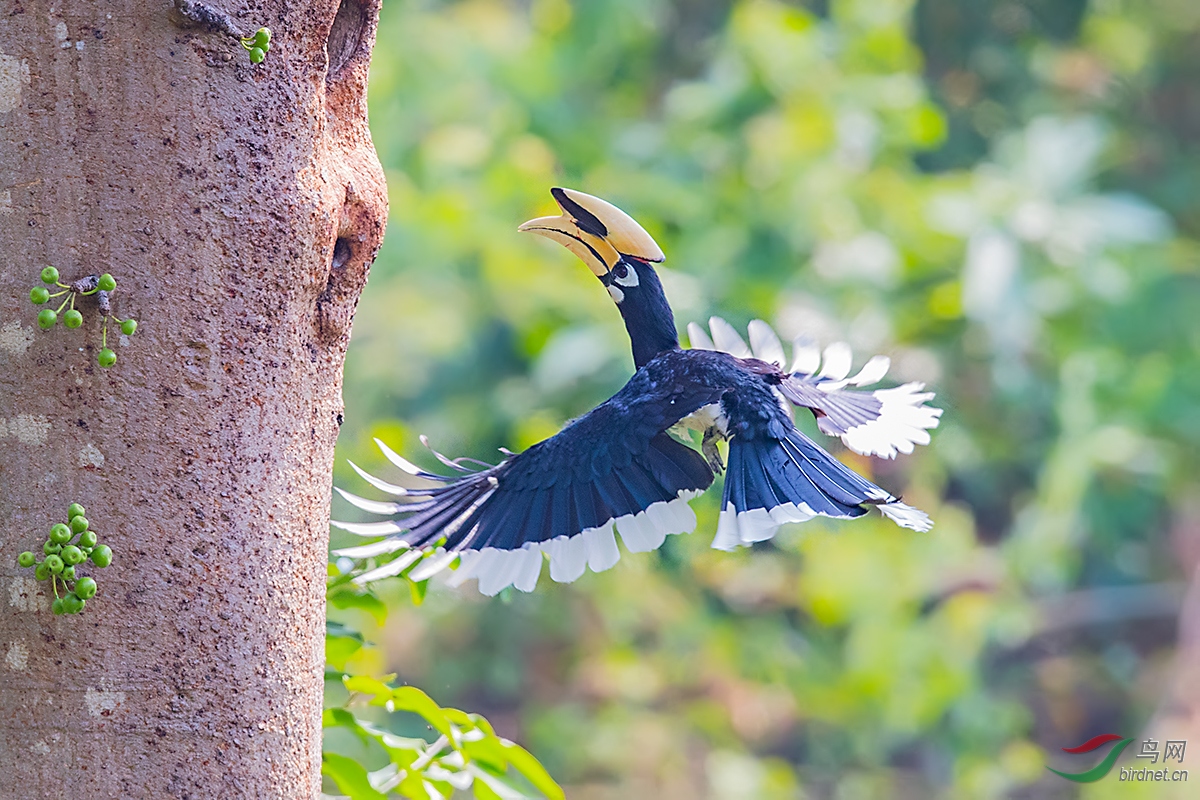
{"points": [[595, 230]]}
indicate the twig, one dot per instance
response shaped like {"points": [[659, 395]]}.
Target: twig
{"points": [[206, 15]]}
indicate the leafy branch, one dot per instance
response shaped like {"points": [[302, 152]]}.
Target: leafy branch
{"points": [[467, 754]]}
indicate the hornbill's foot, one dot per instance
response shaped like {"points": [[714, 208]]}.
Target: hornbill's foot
{"points": [[708, 446]]}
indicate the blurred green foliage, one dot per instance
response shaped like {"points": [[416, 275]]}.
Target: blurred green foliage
{"points": [[999, 195], [467, 753]]}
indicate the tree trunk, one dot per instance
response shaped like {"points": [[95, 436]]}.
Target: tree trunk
{"points": [[239, 207]]}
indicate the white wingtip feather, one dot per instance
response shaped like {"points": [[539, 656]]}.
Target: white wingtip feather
{"points": [[872, 372], [432, 565], [389, 569], [837, 361], [381, 485], [806, 355], [727, 339], [904, 421], [371, 550], [765, 343], [698, 338], [398, 460], [368, 528], [906, 516], [373, 506]]}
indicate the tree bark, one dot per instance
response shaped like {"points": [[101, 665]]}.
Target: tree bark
{"points": [[239, 208]]}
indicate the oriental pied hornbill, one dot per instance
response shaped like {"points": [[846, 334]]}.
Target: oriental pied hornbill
{"points": [[619, 465]]}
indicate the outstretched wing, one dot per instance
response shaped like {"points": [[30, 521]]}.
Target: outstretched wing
{"points": [[615, 467], [882, 422]]}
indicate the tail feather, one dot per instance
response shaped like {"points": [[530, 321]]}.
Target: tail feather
{"points": [[829, 475], [771, 481]]}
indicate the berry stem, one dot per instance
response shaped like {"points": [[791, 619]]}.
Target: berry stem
{"points": [[64, 304], [60, 294], [104, 336]]}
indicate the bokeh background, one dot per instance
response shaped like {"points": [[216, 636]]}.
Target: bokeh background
{"points": [[1000, 195]]}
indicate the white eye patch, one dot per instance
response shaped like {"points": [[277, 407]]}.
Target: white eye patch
{"points": [[630, 279], [617, 294]]}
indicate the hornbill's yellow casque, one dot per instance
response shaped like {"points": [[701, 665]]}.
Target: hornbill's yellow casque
{"points": [[619, 466]]}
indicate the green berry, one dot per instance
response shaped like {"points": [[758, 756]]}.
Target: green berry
{"points": [[58, 607], [68, 573], [129, 326], [74, 510], [106, 358], [73, 603], [41, 571], [39, 295], [102, 556], [87, 539], [86, 588], [72, 319], [55, 563], [106, 283], [50, 275], [262, 37], [27, 559], [51, 548], [79, 524], [257, 54], [60, 534], [72, 555], [46, 318]]}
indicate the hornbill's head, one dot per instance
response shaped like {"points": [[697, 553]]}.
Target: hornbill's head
{"points": [[619, 252]]}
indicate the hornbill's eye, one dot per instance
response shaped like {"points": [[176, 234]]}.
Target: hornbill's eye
{"points": [[623, 275]]}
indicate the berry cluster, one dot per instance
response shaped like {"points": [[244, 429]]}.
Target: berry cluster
{"points": [[63, 556], [258, 44], [101, 285]]}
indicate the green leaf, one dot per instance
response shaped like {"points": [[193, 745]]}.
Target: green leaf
{"points": [[410, 698], [488, 752], [417, 590], [413, 785], [332, 717], [460, 718], [341, 718], [348, 598], [483, 791], [338, 650], [350, 777], [532, 769], [380, 692], [338, 629]]}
